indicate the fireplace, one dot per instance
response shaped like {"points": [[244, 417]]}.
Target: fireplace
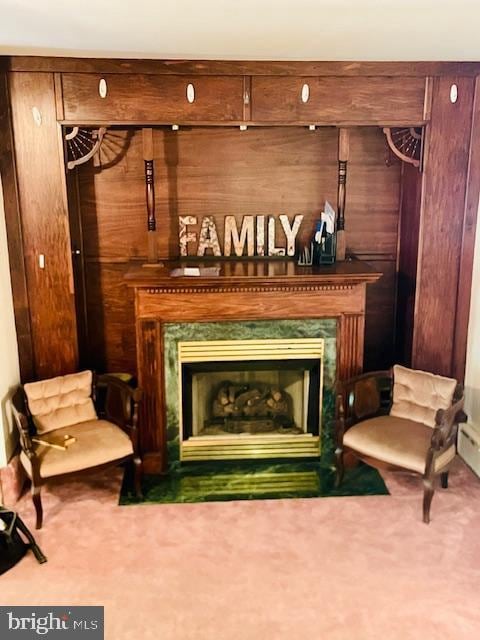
{"points": [[250, 398], [245, 300]]}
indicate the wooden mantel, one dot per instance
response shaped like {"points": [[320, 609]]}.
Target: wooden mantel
{"points": [[243, 290], [262, 272]]}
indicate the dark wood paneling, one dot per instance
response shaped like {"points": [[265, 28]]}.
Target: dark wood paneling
{"points": [[440, 247], [111, 318], [373, 196], [206, 172], [144, 98], [468, 244], [76, 233], [225, 171], [338, 100], [407, 260], [14, 237], [260, 171], [42, 196], [371, 227], [237, 67], [380, 317]]}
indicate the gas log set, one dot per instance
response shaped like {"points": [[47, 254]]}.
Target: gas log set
{"points": [[252, 408]]}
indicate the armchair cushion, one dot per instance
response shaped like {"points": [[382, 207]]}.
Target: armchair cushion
{"points": [[61, 402], [397, 441], [417, 395], [97, 442]]}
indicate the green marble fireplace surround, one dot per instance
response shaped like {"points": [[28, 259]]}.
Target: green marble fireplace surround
{"points": [[219, 480], [325, 328]]}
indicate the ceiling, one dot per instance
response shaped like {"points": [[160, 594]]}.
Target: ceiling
{"points": [[246, 29]]}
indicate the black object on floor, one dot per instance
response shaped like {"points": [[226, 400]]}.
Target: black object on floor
{"points": [[13, 545]]}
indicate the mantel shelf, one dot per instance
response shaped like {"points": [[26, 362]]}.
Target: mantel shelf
{"points": [[259, 273]]}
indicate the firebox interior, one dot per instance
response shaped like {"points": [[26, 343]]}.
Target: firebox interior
{"points": [[251, 398]]}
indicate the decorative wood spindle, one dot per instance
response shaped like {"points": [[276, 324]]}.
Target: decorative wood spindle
{"points": [[150, 194], [343, 154]]}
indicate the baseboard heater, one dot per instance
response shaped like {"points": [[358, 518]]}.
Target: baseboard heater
{"points": [[469, 446]]}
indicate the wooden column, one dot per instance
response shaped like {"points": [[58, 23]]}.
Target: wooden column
{"points": [[153, 440], [46, 237], [468, 243], [351, 332], [14, 238], [446, 163]]}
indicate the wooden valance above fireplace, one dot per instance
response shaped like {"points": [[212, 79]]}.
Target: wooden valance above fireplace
{"points": [[243, 290]]}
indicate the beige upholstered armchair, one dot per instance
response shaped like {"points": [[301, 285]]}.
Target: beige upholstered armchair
{"points": [[96, 416], [400, 419]]}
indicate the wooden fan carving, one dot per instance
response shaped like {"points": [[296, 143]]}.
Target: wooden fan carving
{"points": [[105, 146], [405, 143], [82, 144]]}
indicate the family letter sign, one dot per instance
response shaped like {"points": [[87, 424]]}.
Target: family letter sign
{"points": [[256, 236]]}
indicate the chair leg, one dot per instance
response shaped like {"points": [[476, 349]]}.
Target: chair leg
{"points": [[340, 467], [428, 492], [37, 503], [444, 479], [138, 476]]}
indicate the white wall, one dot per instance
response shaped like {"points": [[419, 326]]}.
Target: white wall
{"points": [[251, 29], [9, 367], [472, 374]]}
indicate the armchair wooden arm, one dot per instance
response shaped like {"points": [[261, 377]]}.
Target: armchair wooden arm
{"points": [[26, 429], [363, 396], [22, 421], [445, 431], [117, 402]]}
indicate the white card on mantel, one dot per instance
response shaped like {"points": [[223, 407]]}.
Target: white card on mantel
{"points": [[195, 271]]}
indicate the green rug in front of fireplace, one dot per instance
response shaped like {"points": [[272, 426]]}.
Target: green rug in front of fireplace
{"points": [[253, 480]]}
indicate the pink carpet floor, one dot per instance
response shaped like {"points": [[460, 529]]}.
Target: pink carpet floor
{"points": [[357, 568]]}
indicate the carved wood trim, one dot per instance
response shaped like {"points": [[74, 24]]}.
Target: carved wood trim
{"points": [[407, 145], [82, 145], [247, 289]]}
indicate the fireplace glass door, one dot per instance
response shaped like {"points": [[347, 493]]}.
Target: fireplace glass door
{"points": [[244, 399]]}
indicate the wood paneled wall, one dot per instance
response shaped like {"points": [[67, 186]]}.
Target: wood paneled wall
{"points": [[224, 171], [410, 212], [220, 171], [44, 223], [441, 226]]}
